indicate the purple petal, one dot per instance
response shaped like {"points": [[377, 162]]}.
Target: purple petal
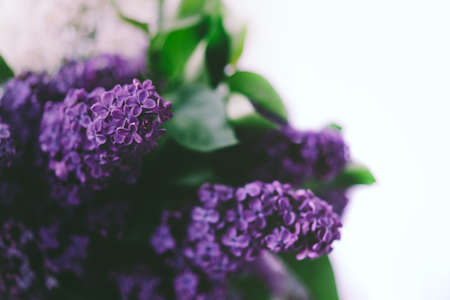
{"points": [[142, 95], [148, 103], [4, 131], [131, 101], [117, 114], [100, 139], [147, 84], [107, 99], [137, 138], [100, 110], [85, 120]]}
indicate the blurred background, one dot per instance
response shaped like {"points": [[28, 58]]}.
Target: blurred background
{"points": [[380, 69]]}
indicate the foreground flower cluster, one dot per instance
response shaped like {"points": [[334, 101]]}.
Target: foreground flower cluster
{"points": [[84, 186], [229, 227], [91, 135]]}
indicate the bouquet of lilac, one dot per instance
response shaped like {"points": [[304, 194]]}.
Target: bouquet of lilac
{"points": [[135, 181]]}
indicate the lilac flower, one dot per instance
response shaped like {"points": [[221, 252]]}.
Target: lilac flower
{"points": [[237, 215], [250, 189], [59, 257], [17, 278], [32, 261], [294, 156], [236, 242], [137, 284], [205, 215], [197, 230], [103, 70], [127, 135], [186, 285], [7, 146], [337, 198], [72, 259], [162, 240], [103, 108], [90, 136], [280, 239], [21, 108], [258, 216], [210, 194], [257, 213]]}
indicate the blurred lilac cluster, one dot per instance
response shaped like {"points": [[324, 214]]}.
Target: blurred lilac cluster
{"points": [[294, 156], [7, 147]]}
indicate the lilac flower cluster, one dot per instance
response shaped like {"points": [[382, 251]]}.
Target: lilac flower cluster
{"points": [[231, 226], [337, 198], [21, 106], [104, 70], [138, 284], [59, 257], [24, 96], [16, 274], [293, 156], [91, 135], [7, 146], [31, 262]]}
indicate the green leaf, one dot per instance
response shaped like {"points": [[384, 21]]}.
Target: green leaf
{"points": [[189, 8], [253, 122], [237, 44], [138, 24], [317, 275], [259, 91], [217, 52], [199, 121], [133, 22], [5, 70], [195, 177], [177, 46], [354, 174], [335, 126], [243, 116]]}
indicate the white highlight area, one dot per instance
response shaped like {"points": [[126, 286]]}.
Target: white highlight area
{"points": [[381, 69]]}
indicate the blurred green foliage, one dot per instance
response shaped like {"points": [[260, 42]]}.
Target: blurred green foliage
{"points": [[5, 70]]}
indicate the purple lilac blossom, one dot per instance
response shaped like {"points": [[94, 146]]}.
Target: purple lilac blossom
{"points": [[141, 284], [21, 106], [22, 102], [7, 146], [90, 136], [31, 261], [105, 70], [137, 285], [62, 257], [337, 198], [294, 156], [232, 226], [17, 278]]}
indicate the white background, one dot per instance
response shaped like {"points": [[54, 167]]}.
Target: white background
{"points": [[381, 69]]}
